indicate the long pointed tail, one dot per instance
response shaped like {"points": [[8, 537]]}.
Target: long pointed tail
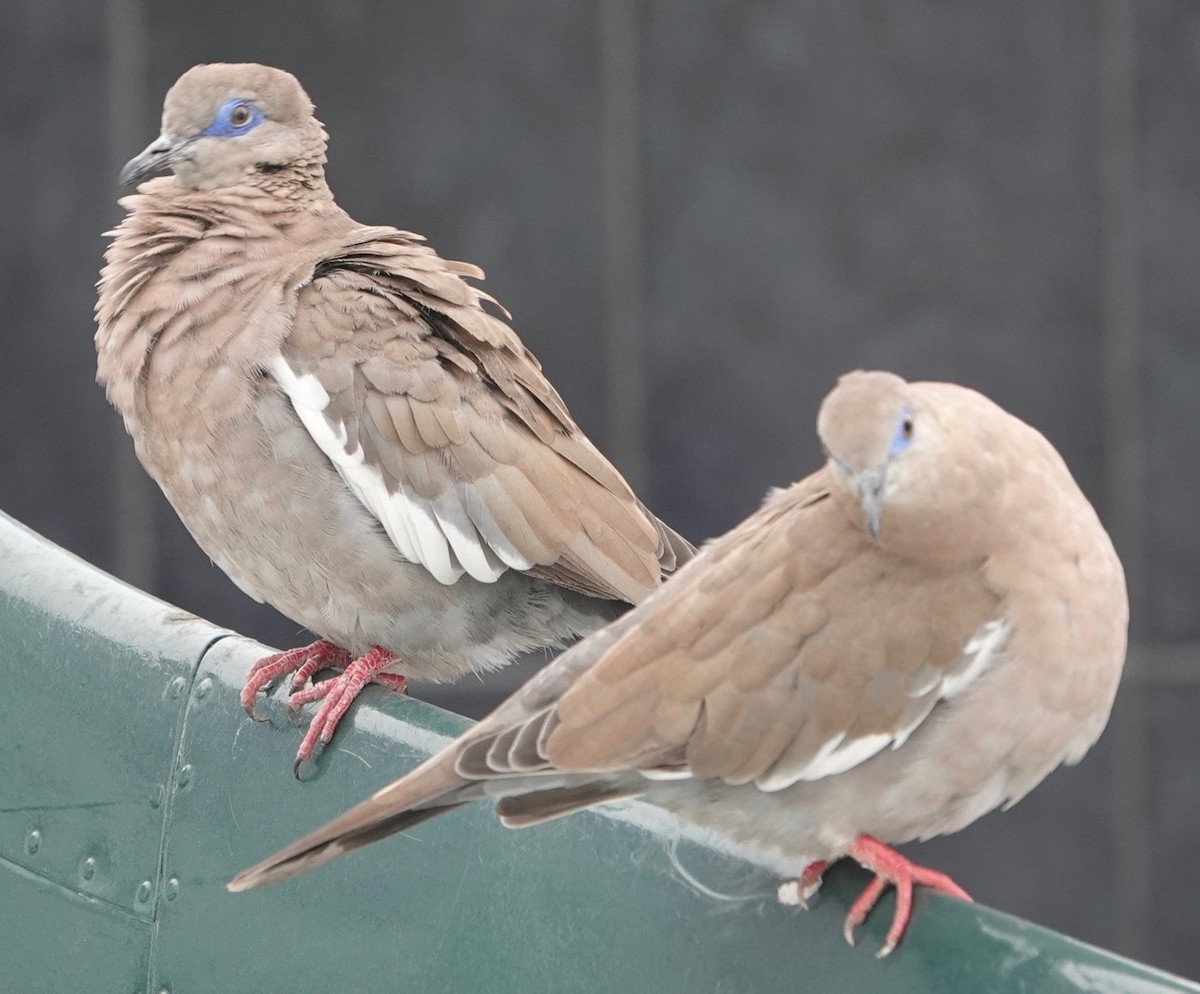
{"points": [[427, 791]]}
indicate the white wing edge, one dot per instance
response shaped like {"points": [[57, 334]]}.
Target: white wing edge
{"points": [[840, 754], [437, 534]]}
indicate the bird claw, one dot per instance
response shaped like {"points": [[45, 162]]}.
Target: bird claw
{"points": [[862, 907], [339, 693], [317, 691], [310, 667], [305, 659], [890, 867]]}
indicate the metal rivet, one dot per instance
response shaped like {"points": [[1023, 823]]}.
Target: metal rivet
{"points": [[156, 798], [145, 889], [88, 868], [202, 688], [175, 688], [172, 889], [33, 842], [185, 774]]}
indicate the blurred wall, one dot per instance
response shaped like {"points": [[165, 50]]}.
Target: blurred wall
{"points": [[699, 214]]}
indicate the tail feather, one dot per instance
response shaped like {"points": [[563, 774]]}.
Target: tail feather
{"points": [[504, 757], [676, 550], [429, 790], [534, 807]]}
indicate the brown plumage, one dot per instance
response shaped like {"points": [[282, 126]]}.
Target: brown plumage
{"points": [[339, 420], [910, 637]]}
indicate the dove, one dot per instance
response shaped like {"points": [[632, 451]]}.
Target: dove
{"points": [[350, 429], [910, 637]]}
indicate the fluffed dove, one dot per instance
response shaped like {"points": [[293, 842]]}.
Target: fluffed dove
{"points": [[339, 422], [915, 634]]}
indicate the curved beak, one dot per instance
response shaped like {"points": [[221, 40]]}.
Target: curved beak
{"points": [[868, 486], [157, 158]]}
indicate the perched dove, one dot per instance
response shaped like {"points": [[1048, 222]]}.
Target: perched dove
{"points": [[340, 423], [910, 637]]}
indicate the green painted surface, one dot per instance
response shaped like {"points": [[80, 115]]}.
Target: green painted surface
{"points": [[54, 940], [589, 903], [94, 677]]}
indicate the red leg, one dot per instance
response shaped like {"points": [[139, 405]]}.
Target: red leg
{"points": [[392, 681], [315, 663], [396, 682], [339, 693], [810, 879], [866, 901], [308, 659], [890, 867]]}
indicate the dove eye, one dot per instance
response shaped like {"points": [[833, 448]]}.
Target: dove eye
{"points": [[905, 430], [235, 117]]}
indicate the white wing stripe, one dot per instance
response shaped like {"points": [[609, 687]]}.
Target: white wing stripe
{"points": [[840, 754], [440, 536], [484, 522], [977, 657], [475, 555], [836, 756]]}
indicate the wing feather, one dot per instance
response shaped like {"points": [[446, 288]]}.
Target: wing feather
{"points": [[443, 425], [784, 684]]}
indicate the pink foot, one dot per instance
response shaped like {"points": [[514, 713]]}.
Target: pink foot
{"points": [[338, 694], [890, 867], [305, 660], [392, 681]]}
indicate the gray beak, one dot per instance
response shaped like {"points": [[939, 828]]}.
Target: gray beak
{"points": [[157, 158], [869, 486]]}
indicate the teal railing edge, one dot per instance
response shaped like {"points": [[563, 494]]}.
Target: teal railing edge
{"points": [[140, 787]]}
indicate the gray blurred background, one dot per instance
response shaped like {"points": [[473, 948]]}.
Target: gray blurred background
{"points": [[699, 214]]}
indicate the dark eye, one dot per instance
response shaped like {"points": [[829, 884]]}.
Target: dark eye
{"points": [[906, 428], [240, 115]]}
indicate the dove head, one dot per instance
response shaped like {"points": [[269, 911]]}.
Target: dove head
{"points": [[236, 124], [900, 451]]}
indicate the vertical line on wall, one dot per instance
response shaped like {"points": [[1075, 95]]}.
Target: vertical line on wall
{"points": [[1124, 448], [129, 129], [622, 250]]}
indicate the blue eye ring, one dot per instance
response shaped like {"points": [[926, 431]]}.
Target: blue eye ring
{"points": [[234, 117], [905, 429]]}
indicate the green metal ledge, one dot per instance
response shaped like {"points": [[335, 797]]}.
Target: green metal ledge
{"points": [[132, 787]]}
